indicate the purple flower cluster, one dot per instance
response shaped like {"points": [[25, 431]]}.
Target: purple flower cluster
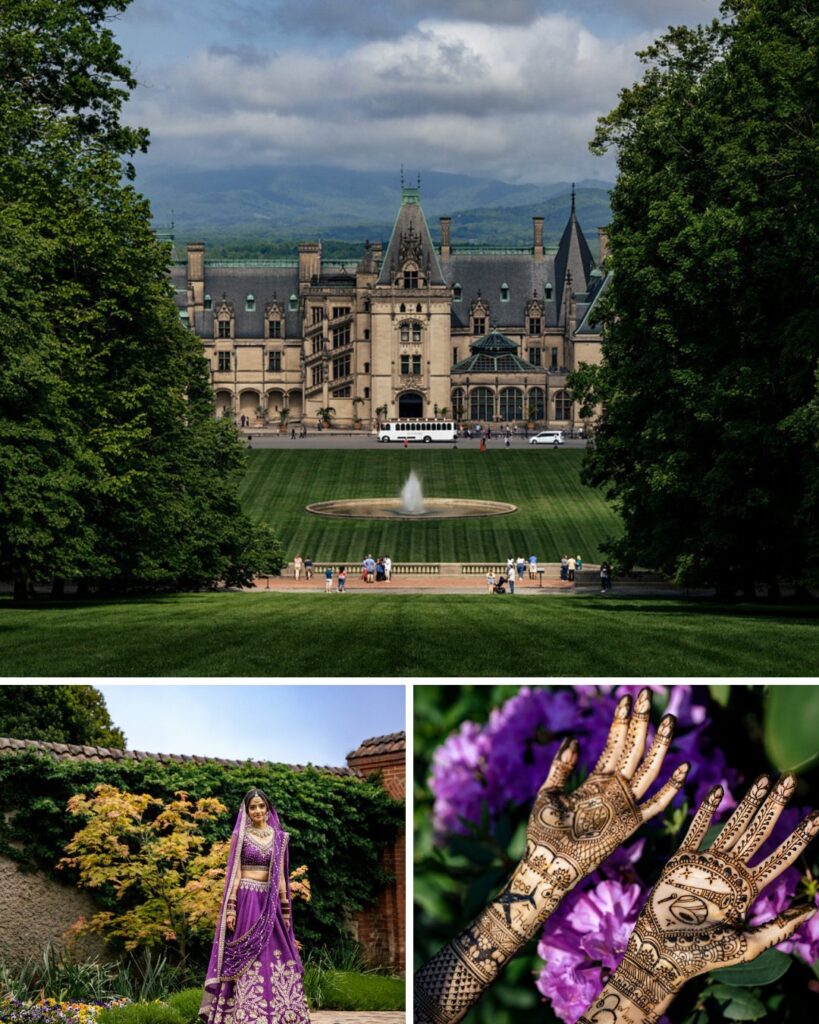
{"points": [[505, 761]]}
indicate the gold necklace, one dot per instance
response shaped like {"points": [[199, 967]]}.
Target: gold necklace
{"points": [[262, 833]]}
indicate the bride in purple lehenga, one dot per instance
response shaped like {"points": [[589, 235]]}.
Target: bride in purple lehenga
{"points": [[255, 974]]}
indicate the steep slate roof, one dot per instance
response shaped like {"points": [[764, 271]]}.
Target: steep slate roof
{"points": [[495, 353], [573, 256], [587, 319], [482, 274], [410, 222], [72, 752], [236, 283], [377, 746]]}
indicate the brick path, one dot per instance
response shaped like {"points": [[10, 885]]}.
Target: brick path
{"points": [[356, 1017], [408, 585]]}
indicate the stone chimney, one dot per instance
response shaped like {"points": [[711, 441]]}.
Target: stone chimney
{"points": [[196, 272], [309, 261], [446, 224], [537, 238], [603, 234], [378, 253]]}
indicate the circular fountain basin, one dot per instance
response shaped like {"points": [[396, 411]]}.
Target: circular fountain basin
{"points": [[392, 508]]}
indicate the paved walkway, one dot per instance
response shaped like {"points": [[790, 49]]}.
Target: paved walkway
{"points": [[356, 1017], [409, 585]]}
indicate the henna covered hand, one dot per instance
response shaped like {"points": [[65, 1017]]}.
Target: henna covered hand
{"points": [[694, 919], [568, 836]]}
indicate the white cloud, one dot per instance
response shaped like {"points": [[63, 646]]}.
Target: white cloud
{"points": [[515, 101]]}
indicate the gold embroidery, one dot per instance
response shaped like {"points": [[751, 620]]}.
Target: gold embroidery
{"points": [[287, 1001]]}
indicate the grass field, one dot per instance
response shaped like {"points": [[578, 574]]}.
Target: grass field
{"points": [[380, 635], [556, 514]]}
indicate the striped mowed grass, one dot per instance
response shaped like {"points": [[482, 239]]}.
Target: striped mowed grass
{"points": [[556, 513]]}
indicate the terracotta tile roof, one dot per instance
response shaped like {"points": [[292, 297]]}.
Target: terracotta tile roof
{"points": [[377, 746], [72, 752]]}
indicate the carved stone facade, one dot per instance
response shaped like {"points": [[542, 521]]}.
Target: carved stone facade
{"points": [[387, 335]]}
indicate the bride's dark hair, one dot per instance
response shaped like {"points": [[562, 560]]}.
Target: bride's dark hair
{"points": [[256, 792]]}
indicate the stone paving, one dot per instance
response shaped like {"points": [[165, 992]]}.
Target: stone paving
{"points": [[356, 1017], [409, 585]]}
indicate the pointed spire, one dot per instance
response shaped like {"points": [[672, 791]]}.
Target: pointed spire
{"points": [[573, 202], [402, 177]]}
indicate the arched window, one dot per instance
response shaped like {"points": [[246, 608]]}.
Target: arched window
{"points": [[458, 403], [504, 292], [563, 405], [537, 404], [402, 308], [250, 304], [511, 404], [208, 302], [456, 293], [481, 404], [547, 290], [418, 308]]}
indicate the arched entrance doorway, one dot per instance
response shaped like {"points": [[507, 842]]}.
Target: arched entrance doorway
{"points": [[410, 406]]}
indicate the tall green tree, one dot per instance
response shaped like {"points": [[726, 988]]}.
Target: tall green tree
{"points": [[712, 318], [113, 469], [58, 714]]}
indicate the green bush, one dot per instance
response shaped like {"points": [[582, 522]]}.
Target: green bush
{"points": [[348, 990], [140, 1013], [339, 825], [186, 1003], [57, 975]]}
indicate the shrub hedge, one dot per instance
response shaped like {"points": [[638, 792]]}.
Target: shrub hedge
{"points": [[339, 825]]}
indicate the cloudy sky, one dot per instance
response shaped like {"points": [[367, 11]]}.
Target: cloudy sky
{"points": [[289, 723], [495, 88]]}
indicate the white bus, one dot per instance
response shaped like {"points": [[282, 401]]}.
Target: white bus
{"points": [[417, 430]]}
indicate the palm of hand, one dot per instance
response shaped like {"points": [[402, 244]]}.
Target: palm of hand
{"points": [[569, 835], [694, 919]]}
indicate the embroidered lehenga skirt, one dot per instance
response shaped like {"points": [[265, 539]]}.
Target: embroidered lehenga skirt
{"points": [[271, 989]]}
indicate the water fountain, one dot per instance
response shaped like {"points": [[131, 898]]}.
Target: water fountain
{"points": [[410, 505]]}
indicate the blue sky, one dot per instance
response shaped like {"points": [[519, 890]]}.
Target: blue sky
{"points": [[506, 89], [293, 724]]}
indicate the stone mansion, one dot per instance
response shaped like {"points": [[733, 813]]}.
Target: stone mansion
{"points": [[477, 334]]}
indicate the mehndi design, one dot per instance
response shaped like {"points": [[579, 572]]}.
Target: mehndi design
{"points": [[568, 836], [694, 918]]}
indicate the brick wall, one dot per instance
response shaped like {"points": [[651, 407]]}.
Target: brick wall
{"points": [[381, 928]]}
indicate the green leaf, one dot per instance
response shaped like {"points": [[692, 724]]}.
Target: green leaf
{"points": [[765, 970], [792, 726], [721, 694], [744, 1007]]}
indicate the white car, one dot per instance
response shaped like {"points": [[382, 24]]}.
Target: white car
{"points": [[552, 437]]}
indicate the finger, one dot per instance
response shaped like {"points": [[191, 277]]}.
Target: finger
{"points": [[563, 765], [787, 853], [636, 737], [748, 806], [702, 821], [663, 797], [648, 771], [764, 936], [613, 749], [767, 816]]}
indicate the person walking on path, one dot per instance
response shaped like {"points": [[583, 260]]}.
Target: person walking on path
{"points": [[369, 565], [490, 582], [328, 579], [482, 445], [510, 566], [510, 579], [572, 565], [579, 562], [520, 564], [605, 578], [298, 565], [387, 567], [342, 578], [564, 568], [308, 569], [532, 567]]}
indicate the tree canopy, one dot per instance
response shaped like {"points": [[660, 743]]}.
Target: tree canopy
{"points": [[707, 441], [113, 469], [58, 714]]}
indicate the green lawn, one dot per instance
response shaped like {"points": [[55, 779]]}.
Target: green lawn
{"points": [[404, 635], [556, 514]]}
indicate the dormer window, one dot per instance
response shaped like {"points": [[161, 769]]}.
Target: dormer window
{"points": [[250, 304], [293, 302], [275, 328], [456, 293], [183, 316], [224, 329], [504, 292], [208, 302], [410, 278], [547, 291]]}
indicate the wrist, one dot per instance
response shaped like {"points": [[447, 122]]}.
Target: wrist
{"points": [[615, 1007], [648, 987]]}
